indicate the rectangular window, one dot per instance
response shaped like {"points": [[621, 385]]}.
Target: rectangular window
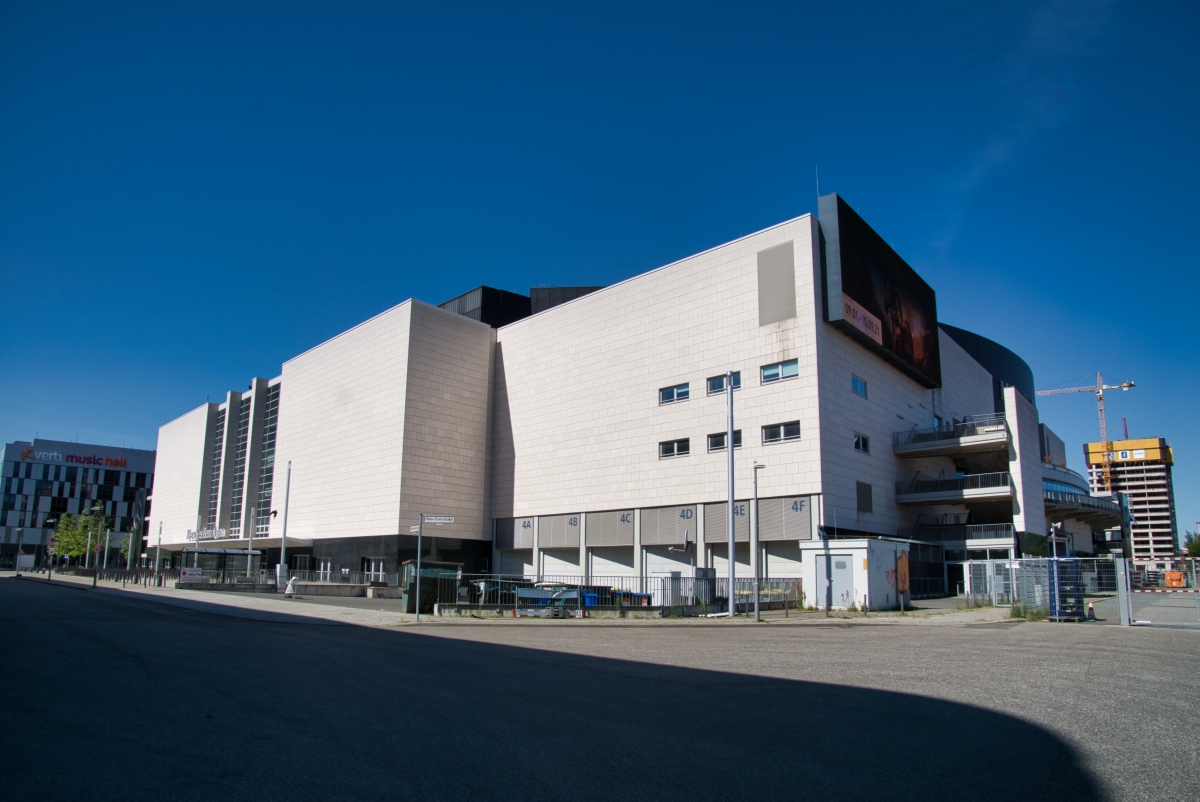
{"points": [[780, 371], [716, 442], [865, 501], [673, 448], [669, 395], [862, 443], [779, 432], [716, 384], [858, 386]]}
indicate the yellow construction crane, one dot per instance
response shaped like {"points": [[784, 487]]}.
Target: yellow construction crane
{"points": [[1098, 389]]}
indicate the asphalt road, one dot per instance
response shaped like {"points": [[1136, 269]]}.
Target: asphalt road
{"points": [[119, 697]]}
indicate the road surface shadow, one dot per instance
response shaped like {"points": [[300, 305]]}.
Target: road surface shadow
{"points": [[121, 697]]}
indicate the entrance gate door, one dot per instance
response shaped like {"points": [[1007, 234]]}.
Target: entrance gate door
{"points": [[835, 575]]}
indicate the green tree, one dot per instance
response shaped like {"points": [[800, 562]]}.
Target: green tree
{"points": [[67, 541], [1191, 542], [71, 534]]}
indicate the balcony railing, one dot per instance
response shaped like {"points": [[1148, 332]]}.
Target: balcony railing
{"points": [[1082, 501], [963, 532], [974, 481], [973, 426]]}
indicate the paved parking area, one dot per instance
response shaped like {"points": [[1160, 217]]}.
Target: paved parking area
{"points": [[118, 695]]}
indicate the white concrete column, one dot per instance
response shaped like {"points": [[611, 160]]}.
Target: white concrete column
{"points": [[701, 551], [537, 552], [583, 555], [637, 548]]}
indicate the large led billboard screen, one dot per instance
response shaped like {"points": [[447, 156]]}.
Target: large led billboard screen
{"points": [[873, 294]]}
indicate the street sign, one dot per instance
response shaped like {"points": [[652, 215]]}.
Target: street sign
{"points": [[414, 529], [439, 519]]}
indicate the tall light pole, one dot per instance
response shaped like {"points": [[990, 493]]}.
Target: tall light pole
{"points": [[250, 550], [420, 531], [754, 556], [729, 508], [158, 554], [97, 507], [20, 546], [287, 494], [49, 544]]}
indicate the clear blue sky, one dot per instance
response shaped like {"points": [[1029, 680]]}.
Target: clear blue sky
{"points": [[191, 195]]}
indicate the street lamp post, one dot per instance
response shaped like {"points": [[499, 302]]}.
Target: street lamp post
{"points": [[250, 549], [754, 555], [420, 531], [730, 506], [287, 493], [49, 549], [95, 568], [158, 554], [20, 546]]}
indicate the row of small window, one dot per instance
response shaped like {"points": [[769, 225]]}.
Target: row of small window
{"points": [[775, 433], [769, 374], [40, 471]]}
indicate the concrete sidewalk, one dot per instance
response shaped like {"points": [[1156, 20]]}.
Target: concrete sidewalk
{"points": [[385, 612]]}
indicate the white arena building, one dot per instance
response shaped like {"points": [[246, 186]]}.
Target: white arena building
{"points": [[588, 438]]}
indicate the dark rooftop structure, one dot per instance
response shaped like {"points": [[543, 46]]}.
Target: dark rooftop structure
{"points": [[500, 307]]}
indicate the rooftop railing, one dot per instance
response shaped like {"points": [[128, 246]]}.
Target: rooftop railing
{"points": [[971, 427]]}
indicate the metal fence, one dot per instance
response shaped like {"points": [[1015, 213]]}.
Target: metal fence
{"points": [[146, 577], [599, 593], [1164, 593], [344, 577], [1058, 589]]}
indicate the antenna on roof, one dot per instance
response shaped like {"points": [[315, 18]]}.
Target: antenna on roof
{"points": [[817, 173]]}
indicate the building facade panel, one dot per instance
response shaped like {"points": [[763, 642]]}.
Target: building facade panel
{"points": [[579, 425], [180, 492], [446, 422], [342, 428]]}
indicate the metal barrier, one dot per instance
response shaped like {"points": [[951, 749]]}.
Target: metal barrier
{"points": [[1055, 588], [146, 577], [529, 594], [1162, 593], [340, 577]]}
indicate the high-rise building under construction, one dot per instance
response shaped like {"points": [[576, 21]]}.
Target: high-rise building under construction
{"points": [[1142, 470]]}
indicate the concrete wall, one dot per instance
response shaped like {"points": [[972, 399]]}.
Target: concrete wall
{"points": [[182, 461], [341, 423], [894, 403], [577, 418], [446, 418], [1025, 466]]}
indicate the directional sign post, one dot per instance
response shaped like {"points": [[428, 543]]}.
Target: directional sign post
{"points": [[421, 521]]}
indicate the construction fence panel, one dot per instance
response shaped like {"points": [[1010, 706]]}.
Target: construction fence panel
{"points": [[1163, 593]]}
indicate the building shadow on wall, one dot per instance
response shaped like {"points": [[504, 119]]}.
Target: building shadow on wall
{"points": [[503, 451], [298, 708]]}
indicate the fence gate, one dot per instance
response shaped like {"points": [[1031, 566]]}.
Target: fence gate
{"points": [[1159, 594], [1002, 583]]}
